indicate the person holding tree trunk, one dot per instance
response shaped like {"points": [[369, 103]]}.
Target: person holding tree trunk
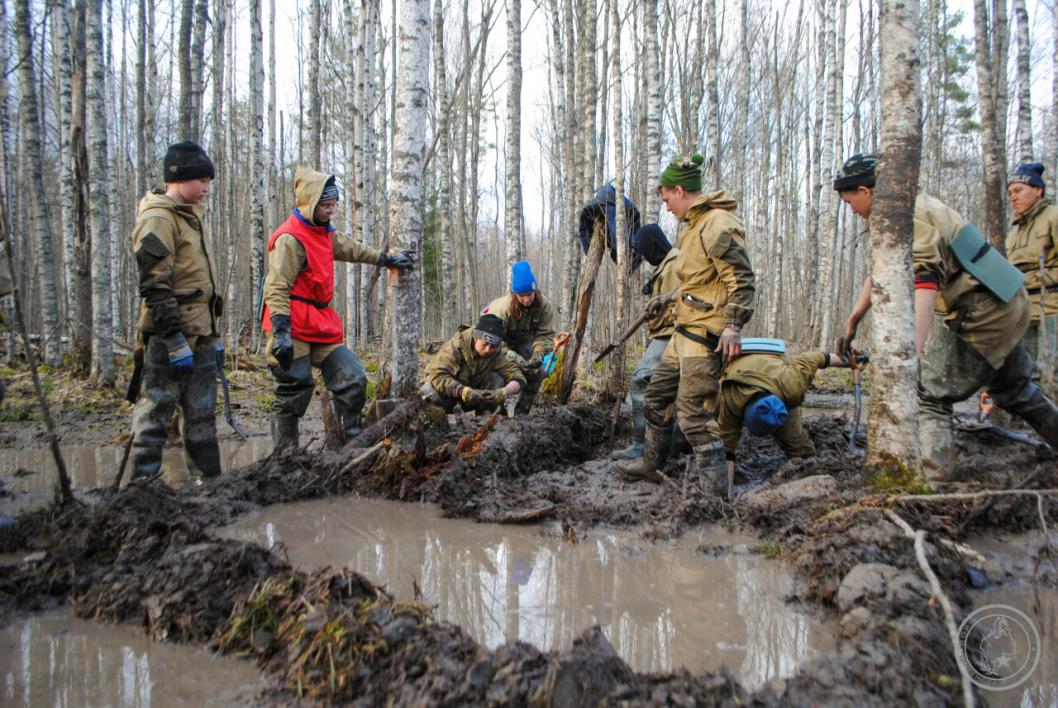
{"points": [[528, 330], [305, 331], [650, 242], [971, 312], [713, 303], [178, 345], [472, 369], [1032, 246]]}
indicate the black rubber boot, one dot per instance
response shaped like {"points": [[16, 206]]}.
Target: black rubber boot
{"points": [[709, 463], [284, 432]]}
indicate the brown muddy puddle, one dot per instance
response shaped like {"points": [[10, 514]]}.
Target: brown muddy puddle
{"points": [[662, 606], [1017, 554], [57, 659], [28, 474]]}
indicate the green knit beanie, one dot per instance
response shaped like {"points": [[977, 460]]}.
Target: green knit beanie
{"points": [[684, 172]]}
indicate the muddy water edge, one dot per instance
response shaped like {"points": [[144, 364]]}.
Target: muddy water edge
{"points": [[146, 555]]}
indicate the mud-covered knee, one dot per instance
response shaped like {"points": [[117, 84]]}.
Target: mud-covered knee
{"points": [[659, 417]]}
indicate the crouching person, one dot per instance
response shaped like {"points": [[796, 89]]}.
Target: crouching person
{"points": [[473, 370], [763, 393], [305, 330]]}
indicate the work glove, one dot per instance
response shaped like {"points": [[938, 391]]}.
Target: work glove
{"points": [[536, 360], [658, 304], [472, 396], [282, 343], [404, 259], [218, 353], [181, 358], [495, 397]]}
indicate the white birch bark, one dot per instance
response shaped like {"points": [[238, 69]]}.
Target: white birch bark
{"points": [[99, 189], [370, 12], [620, 225], [1024, 125], [653, 100], [830, 158], [406, 198], [513, 173], [991, 58], [892, 429], [444, 171], [61, 39], [29, 113], [570, 245], [257, 190], [712, 100]]}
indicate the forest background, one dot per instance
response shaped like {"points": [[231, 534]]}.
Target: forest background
{"points": [[518, 123]]}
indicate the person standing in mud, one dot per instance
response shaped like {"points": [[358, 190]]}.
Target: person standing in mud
{"points": [[305, 331], [529, 330], [472, 369], [178, 345], [714, 302], [650, 242], [968, 323], [1032, 246], [763, 393]]}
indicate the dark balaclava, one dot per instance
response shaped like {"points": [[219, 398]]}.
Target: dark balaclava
{"points": [[650, 242]]}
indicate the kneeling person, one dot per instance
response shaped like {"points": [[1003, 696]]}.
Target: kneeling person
{"points": [[763, 392], [473, 369]]}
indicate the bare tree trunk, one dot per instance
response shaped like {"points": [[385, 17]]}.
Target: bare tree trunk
{"points": [[444, 168], [314, 117], [513, 227], [198, 63], [406, 200], [63, 20], [32, 136], [1024, 129], [712, 98], [569, 245], [831, 156], [218, 209], [893, 411], [653, 101], [991, 59], [370, 22], [257, 190], [99, 189], [187, 101], [620, 225]]}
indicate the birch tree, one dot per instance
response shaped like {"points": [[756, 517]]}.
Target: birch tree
{"points": [[99, 189], [990, 42], [406, 202], [513, 225], [444, 167], [29, 113], [892, 430], [1024, 126], [257, 190]]}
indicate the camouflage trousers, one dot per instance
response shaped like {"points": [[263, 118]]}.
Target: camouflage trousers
{"points": [[1034, 345], [343, 375], [164, 390], [637, 385], [685, 386], [951, 371], [792, 438]]}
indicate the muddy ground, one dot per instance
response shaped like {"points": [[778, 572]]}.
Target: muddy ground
{"points": [[145, 555]]}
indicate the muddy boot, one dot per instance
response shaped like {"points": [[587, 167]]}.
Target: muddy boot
{"points": [[635, 450], [655, 452], [284, 432], [709, 463]]}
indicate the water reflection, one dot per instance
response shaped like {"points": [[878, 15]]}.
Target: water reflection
{"points": [[93, 466], [662, 607], [59, 660]]}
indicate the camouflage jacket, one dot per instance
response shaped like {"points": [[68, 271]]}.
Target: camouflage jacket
{"points": [[664, 280], [457, 365], [1033, 233], [535, 326]]}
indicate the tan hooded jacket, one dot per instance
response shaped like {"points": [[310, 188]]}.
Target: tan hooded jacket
{"points": [[664, 280], [717, 281], [457, 365], [287, 258], [535, 326], [1033, 233], [177, 285], [975, 315]]}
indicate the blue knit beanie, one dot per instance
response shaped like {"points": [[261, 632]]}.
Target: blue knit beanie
{"points": [[1031, 173], [522, 279], [764, 415]]}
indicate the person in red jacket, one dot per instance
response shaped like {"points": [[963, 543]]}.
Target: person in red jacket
{"points": [[305, 330]]}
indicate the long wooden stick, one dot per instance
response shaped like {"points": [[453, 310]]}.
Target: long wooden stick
{"points": [[66, 491]]}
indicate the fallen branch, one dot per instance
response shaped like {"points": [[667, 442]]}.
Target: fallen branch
{"points": [[968, 496], [397, 418], [361, 458], [919, 537]]}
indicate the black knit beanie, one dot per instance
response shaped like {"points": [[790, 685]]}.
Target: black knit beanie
{"points": [[186, 160], [860, 170]]}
